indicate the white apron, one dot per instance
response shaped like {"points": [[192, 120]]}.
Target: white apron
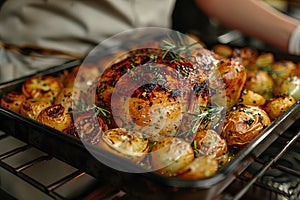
{"points": [[69, 27]]}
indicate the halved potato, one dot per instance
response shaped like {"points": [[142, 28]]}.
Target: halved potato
{"points": [[170, 154], [243, 124], [199, 168], [125, 143], [278, 105]]}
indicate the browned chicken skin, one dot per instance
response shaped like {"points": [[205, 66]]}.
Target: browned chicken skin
{"points": [[151, 89]]}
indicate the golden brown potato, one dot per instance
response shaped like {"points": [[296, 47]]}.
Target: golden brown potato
{"points": [[31, 108], [82, 76], [13, 101], [42, 87], [249, 97], [281, 70], [171, 154], [243, 124], [55, 116], [234, 77], [68, 98], [199, 168], [209, 143], [278, 105], [246, 55], [296, 71], [290, 86], [260, 82], [265, 60], [125, 143], [224, 51]]}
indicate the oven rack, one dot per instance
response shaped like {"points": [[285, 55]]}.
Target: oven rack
{"points": [[274, 175], [61, 188]]}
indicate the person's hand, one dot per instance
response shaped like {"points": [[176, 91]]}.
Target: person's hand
{"points": [[294, 42]]}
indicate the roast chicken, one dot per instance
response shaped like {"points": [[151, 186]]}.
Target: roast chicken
{"points": [[150, 91]]}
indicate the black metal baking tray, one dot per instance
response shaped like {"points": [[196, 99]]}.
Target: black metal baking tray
{"points": [[148, 185]]}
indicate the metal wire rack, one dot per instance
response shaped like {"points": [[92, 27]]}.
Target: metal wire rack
{"points": [[274, 175], [43, 176]]}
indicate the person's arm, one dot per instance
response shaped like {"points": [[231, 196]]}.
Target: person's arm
{"points": [[254, 18]]}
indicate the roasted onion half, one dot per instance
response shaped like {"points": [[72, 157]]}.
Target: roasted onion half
{"points": [[32, 108], [125, 143], [88, 127], [13, 101], [55, 116], [243, 124]]}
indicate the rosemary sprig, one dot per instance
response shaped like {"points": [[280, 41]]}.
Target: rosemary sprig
{"points": [[85, 107], [176, 48], [99, 111], [206, 114], [197, 151]]}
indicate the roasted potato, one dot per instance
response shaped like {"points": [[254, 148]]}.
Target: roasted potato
{"points": [[224, 51], [42, 87], [281, 70], [246, 55], [260, 82], [278, 105], [234, 77], [264, 60], [171, 154], [243, 124], [249, 97], [290, 86], [199, 168], [125, 143], [13, 101], [209, 143]]}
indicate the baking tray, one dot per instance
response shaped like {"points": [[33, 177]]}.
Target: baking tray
{"points": [[148, 185]]}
